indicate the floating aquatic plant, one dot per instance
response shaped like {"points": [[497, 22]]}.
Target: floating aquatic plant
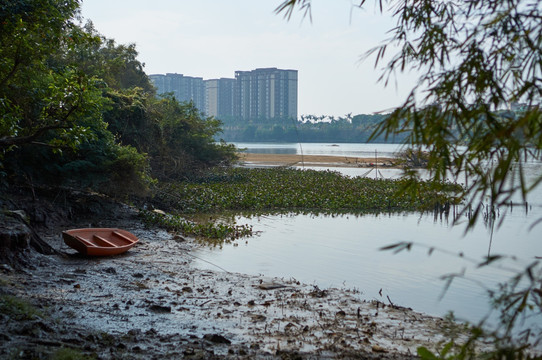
{"points": [[287, 190], [210, 230], [283, 190]]}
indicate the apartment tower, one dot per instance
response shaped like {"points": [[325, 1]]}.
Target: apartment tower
{"points": [[260, 94], [267, 93], [184, 88]]}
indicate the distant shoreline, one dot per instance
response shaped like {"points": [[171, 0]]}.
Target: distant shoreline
{"points": [[314, 160]]}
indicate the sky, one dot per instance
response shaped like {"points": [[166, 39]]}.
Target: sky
{"points": [[214, 38]]}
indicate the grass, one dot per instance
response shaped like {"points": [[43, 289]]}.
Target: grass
{"points": [[208, 230]]}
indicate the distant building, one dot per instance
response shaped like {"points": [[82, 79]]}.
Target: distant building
{"points": [[220, 98], [184, 88], [268, 93]]}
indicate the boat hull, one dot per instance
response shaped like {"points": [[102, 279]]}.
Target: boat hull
{"points": [[99, 241]]}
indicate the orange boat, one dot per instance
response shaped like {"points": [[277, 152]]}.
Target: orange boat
{"points": [[99, 241]]}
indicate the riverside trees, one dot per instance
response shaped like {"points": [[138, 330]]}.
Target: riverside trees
{"points": [[77, 109]]}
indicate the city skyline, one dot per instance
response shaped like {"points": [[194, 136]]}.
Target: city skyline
{"points": [[263, 93], [211, 38]]}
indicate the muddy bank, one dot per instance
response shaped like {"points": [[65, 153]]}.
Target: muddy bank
{"points": [[314, 160], [152, 303]]}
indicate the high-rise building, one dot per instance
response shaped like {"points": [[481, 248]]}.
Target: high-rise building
{"points": [[260, 94], [219, 98], [211, 97], [268, 93], [184, 88]]}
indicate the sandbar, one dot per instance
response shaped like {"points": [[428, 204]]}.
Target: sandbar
{"points": [[313, 160]]}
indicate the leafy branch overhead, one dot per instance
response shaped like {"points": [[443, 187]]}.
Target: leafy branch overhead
{"points": [[476, 60], [476, 111]]}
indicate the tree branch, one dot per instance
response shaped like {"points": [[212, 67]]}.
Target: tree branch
{"points": [[21, 140]]}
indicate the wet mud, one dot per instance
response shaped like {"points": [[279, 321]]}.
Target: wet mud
{"points": [[253, 159], [152, 303]]}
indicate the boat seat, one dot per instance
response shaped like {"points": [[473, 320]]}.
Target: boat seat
{"points": [[103, 242], [123, 237], [84, 241]]}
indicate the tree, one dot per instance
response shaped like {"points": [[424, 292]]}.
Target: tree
{"points": [[52, 130], [40, 103], [116, 64], [184, 140], [475, 58]]}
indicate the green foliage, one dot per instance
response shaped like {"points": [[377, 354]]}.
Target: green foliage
{"points": [[474, 59], [185, 140], [471, 69], [29, 32], [130, 118], [128, 172], [211, 231], [281, 189], [41, 104], [52, 129], [515, 301], [77, 109], [115, 64], [308, 128]]}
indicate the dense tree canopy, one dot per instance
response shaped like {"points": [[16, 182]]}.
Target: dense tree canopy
{"points": [[309, 128], [475, 58], [78, 109], [36, 98]]}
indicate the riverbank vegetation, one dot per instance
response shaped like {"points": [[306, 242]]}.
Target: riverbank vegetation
{"points": [[77, 110], [271, 190], [308, 128], [284, 190]]}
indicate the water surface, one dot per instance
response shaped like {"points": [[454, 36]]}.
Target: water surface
{"points": [[343, 251]]}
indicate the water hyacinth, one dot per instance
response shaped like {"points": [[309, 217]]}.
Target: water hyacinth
{"points": [[210, 231], [272, 190]]}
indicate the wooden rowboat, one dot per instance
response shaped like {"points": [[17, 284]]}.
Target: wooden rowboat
{"points": [[99, 241]]}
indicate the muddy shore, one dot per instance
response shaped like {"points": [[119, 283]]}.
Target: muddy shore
{"points": [[314, 160], [152, 303]]}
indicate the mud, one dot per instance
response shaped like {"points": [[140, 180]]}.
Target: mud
{"points": [[151, 303], [251, 159]]}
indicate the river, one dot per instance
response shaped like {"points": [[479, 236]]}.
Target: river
{"points": [[344, 251]]}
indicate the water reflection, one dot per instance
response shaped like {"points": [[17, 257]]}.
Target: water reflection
{"points": [[344, 251]]}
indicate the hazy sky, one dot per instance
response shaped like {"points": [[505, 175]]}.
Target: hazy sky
{"points": [[214, 38]]}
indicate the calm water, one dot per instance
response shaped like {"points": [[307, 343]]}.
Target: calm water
{"points": [[343, 251]]}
